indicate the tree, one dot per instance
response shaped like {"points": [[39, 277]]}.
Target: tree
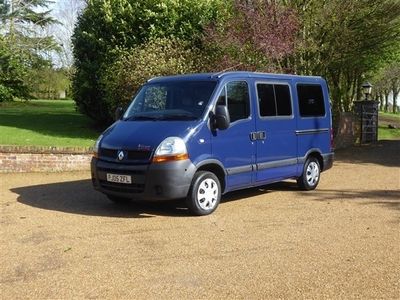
{"points": [[49, 82], [158, 57], [345, 41], [12, 74], [386, 83], [394, 73], [381, 90], [24, 44], [66, 13], [107, 26], [256, 35]]}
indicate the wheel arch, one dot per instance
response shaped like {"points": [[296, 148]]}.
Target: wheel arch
{"points": [[309, 181], [215, 167], [316, 153], [318, 156]]}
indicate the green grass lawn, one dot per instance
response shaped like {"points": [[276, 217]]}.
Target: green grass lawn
{"points": [[45, 123], [390, 115], [384, 132]]}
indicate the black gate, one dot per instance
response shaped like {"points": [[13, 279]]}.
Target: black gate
{"points": [[367, 112]]}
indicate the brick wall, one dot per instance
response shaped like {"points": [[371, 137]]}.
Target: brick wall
{"points": [[43, 159], [348, 130]]}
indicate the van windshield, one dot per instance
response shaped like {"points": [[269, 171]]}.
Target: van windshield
{"points": [[170, 100]]}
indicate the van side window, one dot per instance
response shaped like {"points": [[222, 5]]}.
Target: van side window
{"points": [[236, 95], [274, 100], [311, 100]]}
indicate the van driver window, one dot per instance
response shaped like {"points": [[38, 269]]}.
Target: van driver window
{"points": [[236, 95]]}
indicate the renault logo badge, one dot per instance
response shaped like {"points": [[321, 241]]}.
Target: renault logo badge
{"points": [[121, 155]]}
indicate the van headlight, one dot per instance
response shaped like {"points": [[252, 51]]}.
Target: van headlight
{"points": [[96, 146], [171, 149]]}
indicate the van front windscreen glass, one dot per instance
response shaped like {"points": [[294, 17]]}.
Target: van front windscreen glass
{"points": [[171, 100]]}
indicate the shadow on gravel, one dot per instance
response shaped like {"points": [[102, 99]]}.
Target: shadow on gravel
{"points": [[78, 197], [388, 198], [256, 191], [385, 152]]}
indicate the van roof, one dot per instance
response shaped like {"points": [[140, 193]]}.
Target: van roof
{"points": [[231, 74]]}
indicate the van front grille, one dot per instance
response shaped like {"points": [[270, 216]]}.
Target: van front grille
{"points": [[133, 155]]}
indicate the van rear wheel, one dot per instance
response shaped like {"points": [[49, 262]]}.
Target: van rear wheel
{"points": [[311, 174], [204, 194]]}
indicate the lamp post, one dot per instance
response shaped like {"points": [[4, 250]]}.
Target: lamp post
{"points": [[367, 89]]}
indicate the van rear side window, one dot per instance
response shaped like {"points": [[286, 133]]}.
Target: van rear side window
{"points": [[274, 100], [311, 100]]}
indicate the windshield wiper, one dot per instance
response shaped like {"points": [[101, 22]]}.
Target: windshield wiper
{"points": [[143, 117], [179, 117]]}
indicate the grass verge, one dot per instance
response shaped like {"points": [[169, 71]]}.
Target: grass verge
{"points": [[45, 123], [386, 133]]}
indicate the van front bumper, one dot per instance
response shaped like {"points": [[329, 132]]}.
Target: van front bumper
{"points": [[150, 182]]}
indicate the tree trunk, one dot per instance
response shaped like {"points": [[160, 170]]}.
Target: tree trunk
{"points": [[336, 94], [395, 103], [386, 101], [380, 99], [395, 91]]}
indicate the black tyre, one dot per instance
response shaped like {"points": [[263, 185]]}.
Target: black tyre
{"points": [[118, 200], [204, 194], [311, 174]]}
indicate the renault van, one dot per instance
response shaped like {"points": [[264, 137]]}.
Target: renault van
{"points": [[196, 137]]}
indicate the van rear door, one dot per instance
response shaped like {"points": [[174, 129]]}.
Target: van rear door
{"points": [[314, 121]]}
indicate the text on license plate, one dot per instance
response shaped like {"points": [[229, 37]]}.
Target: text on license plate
{"points": [[119, 178]]}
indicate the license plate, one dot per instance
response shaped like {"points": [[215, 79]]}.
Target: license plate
{"points": [[119, 178]]}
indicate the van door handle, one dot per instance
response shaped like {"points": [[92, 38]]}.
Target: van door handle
{"points": [[253, 136], [259, 135], [262, 135]]}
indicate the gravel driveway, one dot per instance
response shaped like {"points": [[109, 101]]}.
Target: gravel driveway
{"points": [[60, 239]]}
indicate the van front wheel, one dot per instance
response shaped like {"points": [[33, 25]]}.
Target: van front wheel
{"points": [[204, 194], [311, 174]]}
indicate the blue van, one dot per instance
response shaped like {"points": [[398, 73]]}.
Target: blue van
{"points": [[198, 136]]}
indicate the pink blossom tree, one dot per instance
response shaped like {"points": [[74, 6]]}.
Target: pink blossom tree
{"points": [[258, 35]]}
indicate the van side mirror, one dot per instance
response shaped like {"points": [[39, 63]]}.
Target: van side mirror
{"points": [[118, 113], [222, 119]]}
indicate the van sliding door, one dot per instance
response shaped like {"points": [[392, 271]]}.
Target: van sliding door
{"points": [[276, 156]]}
